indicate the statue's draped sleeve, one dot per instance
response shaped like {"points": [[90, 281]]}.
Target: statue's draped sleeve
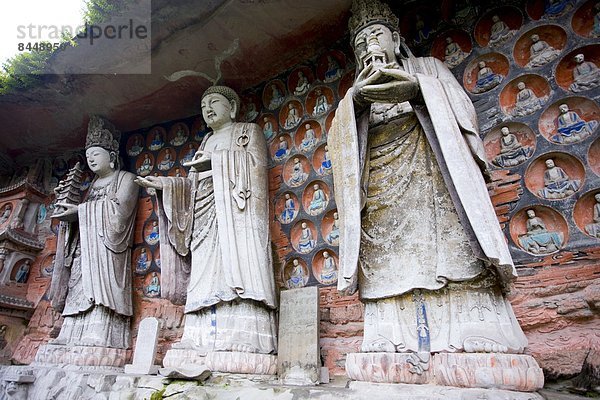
{"points": [[347, 153], [175, 215], [450, 123]]}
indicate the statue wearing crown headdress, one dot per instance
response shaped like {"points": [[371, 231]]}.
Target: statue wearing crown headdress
{"points": [[91, 283], [215, 245], [419, 237]]}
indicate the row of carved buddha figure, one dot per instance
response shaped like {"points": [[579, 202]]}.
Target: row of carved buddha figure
{"points": [[491, 69], [508, 150], [542, 230], [296, 273], [330, 68], [305, 139], [553, 176], [498, 26], [157, 137], [297, 169], [315, 200]]}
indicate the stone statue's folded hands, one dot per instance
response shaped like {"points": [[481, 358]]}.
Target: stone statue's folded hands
{"points": [[385, 85]]}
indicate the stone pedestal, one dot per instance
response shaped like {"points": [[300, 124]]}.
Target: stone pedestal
{"points": [[515, 372], [223, 361], [83, 356]]}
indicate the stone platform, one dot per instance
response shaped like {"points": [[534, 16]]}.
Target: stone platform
{"points": [[516, 372], [81, 356], [232, 362], [84, 385]]}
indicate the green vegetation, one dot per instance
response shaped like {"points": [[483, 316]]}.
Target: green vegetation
{"points": [[27, 69]]}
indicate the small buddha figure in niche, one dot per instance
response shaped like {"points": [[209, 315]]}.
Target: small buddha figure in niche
{"points": [[292, 118], [556, 8], [306, 242], [527, 101], [268, 128], [333, 237], [321, 104], [167, 162], [298, 175], [296, 279], [422, 30], [157, 142], [596, 27], [153, 288], [282, 149], [538, 240], [319, 201], [540, 52], [512, 152], [137, 147], [180, 136], [23, 272], [557, 184], [251, 112], [142, 263], [5, 214], [500, 32], [146, 166], [302, 85], [593, 229], [189, 156], [289, 209], [571, 127], [276, 97], [453, 54], [486, 78], [329, 270], [153, 236], [333, 69], [586, 75], [310, 139], [325, 168]]}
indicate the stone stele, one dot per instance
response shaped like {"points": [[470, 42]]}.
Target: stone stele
{"points": [[299, 357], [145, 348]]}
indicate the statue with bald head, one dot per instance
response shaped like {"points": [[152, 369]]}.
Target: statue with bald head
{"points": [[215, 246]]}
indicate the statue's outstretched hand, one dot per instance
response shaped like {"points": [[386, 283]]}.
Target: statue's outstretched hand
{"points": [[200, 157], [150, 182], [69, 213]]}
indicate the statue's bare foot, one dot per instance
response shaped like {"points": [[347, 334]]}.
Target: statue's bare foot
{"points": [[185, 344], [483, 345], [378, 346], [243, 348]]}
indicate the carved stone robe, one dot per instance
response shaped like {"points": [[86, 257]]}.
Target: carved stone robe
{"points": [[415, 216], [98, 302], [221, 222]]}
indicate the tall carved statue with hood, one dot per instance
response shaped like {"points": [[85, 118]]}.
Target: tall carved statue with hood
{"points": [[215, 247], [419, 237]]}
